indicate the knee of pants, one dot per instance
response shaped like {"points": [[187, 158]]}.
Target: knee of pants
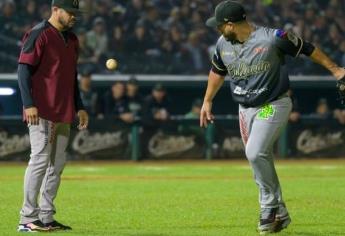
{"points": [[59, 164], [39, 162], [254, 154]]}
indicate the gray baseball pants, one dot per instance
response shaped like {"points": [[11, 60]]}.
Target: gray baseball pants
{"points": [[43, 174], [260, 128]]}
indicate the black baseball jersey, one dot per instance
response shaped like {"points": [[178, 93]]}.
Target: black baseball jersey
{"points": [[255, 66]]}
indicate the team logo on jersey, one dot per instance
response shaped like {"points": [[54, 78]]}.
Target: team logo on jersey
{"points": [[287, 35], [75, 3], [259, 50], [241, 70], [266, 112], [281, 33]]}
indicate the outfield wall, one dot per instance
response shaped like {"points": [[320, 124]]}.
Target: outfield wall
{"points": [[181, 138]]}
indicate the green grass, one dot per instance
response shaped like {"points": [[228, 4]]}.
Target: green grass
{"points": [[182, 199]]}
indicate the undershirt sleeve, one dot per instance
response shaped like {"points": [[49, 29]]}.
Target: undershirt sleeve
{"points": [[77, 99], [25, 72]]}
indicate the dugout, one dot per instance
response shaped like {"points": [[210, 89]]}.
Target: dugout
{"points": [[310, 137]]}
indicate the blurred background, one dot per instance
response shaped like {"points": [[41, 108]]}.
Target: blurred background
{"points": [[149, 106], [170, 36]]}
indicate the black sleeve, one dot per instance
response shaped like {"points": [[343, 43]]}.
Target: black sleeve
{"points": [[77, 99], [218, 66], [307, 48], [25, 72]]}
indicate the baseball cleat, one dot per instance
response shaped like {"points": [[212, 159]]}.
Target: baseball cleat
{"points": [[282, 217], [282, 223], [267, 221], [57, 226], [274, 222], [36, 226]]}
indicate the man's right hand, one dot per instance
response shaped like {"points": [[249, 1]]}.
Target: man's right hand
{"points": [[31, 115], [205, 115]]}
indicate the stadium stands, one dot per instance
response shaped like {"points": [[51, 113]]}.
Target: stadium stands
{"points": [[169, 36]]}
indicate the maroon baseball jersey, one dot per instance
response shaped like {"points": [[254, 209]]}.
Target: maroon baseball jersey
{"points": [[53, 55]]}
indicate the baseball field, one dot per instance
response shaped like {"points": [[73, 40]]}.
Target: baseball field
{"points": [[182, 198]]}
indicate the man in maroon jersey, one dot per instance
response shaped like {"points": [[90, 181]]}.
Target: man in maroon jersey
{"points": [[47, 77]]}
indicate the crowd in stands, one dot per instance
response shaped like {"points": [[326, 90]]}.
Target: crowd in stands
{"points": [[170, 36]]}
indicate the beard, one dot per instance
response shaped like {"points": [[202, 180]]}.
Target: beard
{"points": [[230, 36], [66, 24]]}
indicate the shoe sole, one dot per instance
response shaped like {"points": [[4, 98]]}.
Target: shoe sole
{"points": [[33, 230], [268, 228]]}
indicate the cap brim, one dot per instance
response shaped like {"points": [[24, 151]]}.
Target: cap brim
{"points": [[73, 10], [212, 22]]}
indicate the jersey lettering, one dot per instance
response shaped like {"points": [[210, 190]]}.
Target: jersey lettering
{"points": [[244, 70]]}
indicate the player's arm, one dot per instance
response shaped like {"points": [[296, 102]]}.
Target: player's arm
{"points": [[29, 58], [321, 58], [215, 81], [25, 72], [292, 45], [79, 106]]}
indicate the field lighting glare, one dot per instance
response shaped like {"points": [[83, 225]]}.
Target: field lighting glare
{"points": [[6, 91]]}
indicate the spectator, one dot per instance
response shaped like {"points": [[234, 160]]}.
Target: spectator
{"points": [[135, 9], [196, 53], [194, 113], [156, 115], [322, 110], [88, 59], [30, 13], [116, 105], [134, 98], [8, 19], [88, 96], [97, 38], [117, 40], [139, 42], [156, 107]]}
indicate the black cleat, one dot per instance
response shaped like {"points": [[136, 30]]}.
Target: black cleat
{"points": [[268, 223], [282, 223], [274, 222], [57, 226]]}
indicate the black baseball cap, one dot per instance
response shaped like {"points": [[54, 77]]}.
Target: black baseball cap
{"points": [[227, 11], [159, 87], [68, 5], [132, 80]]}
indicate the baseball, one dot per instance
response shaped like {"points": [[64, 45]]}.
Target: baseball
{"points": [[111, 64]]}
